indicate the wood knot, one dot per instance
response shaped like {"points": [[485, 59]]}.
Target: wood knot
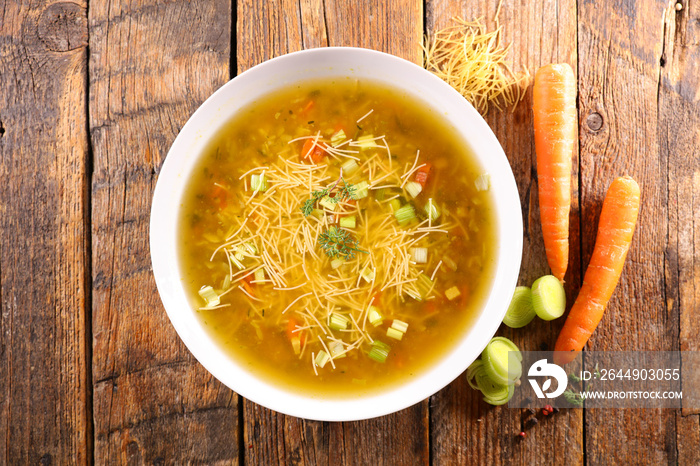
{"points": [[594, 121], [46, 460], [63, 27]]}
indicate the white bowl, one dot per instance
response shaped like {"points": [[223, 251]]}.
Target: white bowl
{"points": [[281, 72]]}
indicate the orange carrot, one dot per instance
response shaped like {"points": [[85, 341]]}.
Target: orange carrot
{"points": [[314, 150], [554, 107], [247, 285], [296, 337], [422, 174], [615, 229]]}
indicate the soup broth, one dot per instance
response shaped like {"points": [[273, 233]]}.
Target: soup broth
{"points": [[337, 238]]}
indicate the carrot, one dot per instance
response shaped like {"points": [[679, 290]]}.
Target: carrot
{"points": [[307, 108], [615, 229], [296, 337], [554, 108], [247, 285], [315, 151], [421, 175], [218, 196]]}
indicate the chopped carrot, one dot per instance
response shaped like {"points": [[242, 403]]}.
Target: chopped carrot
{"points": [[554, 108], [430, 307], [421, 175], [313, 150], [307, 108], [218, 196], [247, 285], [296, 337], [615, 229], [292, 325]]}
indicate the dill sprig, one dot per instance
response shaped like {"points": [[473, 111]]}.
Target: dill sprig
{"points": [[573, 397], [347, 190], [337, 242]]}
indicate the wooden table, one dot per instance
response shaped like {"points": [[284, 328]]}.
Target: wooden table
{"points": [[93, 94]]}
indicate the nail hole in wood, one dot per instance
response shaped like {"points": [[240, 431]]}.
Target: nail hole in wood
{"points": [[594, 121]]}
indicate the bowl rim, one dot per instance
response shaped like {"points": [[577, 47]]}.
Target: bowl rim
{"points": [[180, 160]]}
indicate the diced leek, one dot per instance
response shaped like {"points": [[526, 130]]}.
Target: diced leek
{"points": [[212, 238], [420, 255], [250, 247], [432, 210], [452, 293], [375, 318], [399, 325], [337, 349], [501, 368], [338, 321], [349, 167], [318, 213], [328, 203], [366, 141], [405, 214], [548, 297], [393, 333], [239, 253], [337, 262], [209, 296], [494, 393], [348, 221], [483, 182], [395, 205], [520, 311], [449, 263], [338, 137], [236, 262], [380, 194], [296, 344], [379, 351], [413, 188], [322, 359], [361, 190], [258, 182], [260, 275], [368, 274], [424, 285]]}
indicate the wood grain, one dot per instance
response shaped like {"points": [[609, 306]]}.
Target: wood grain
{"points": [[44, 267], [679, 141], [464, 428], [619, 77], [263, 32], [151, 65]]}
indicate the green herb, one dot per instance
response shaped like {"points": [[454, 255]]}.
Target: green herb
{"points": [[346, 191], [337, 242], [573, 397]]}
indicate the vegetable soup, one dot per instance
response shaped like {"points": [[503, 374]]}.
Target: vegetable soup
{"points": [[337, 238]]}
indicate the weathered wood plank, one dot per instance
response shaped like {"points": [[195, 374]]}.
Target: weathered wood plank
{"points": [[688, 439], [264, 32], [679, 145], [151, 65], [44, 266], [619, 75], [464, 429]]}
